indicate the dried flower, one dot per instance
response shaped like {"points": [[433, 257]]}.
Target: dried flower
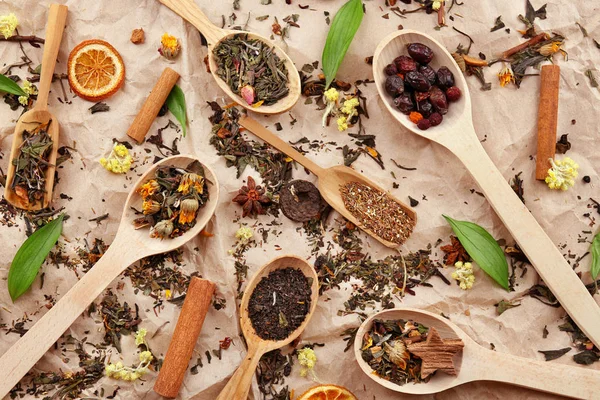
{"points": [[552, 48], [349, 107], [252, 198], [562, 174], [331, 97], [437, 4], [30, 89], [119, 161], [397, 353], [8, 25], [150, 207], [140, 336], [506, 76], [162, 229], [191, 181], [248, 94], [169, 46], [119, 372], [454, 252], [342, 123], [244, 234], [307, 359], [148, 188], [188, 210], [464, 275]]}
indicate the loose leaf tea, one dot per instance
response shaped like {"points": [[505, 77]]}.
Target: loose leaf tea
{"points": [[279, 303], [252, 70], [176, 104], [30, 257], [171, 201], [377, 211], [31, 164]]}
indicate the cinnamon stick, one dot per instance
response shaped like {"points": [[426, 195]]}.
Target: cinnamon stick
{"points": [[547, 120], [142, 122], [197, 301], [534, 40]]}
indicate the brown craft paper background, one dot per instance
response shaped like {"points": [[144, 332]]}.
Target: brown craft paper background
{"points": [[505, 120]]}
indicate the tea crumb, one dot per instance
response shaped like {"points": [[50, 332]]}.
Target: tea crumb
{"points": [[138, 36]]}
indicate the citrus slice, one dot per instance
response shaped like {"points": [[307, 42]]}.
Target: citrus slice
{"points": [[96, 70], [328, 392]]}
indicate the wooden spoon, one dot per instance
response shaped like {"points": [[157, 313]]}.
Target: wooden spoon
{"points": [[457, 134], [238, 386], [476, 363], [330, 179], [128, 246], [189, 11], [30, 120]]}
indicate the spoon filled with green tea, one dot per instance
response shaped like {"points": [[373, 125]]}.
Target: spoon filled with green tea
{"points": [[177, 196], [457, 357], [253, 71], [30, 175], [457, 133]]}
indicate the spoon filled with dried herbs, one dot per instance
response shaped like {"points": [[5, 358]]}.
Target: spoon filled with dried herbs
{"points": [[457, 134], [351, 194], [30, 175], [418, 352], [253, 71], [276, 307], [129, 245]]}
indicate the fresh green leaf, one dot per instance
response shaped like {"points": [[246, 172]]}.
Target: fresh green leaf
{"points": [[342, 31], [482, 248], [9, 86], [176, 104], [595, 269], [30, 257]]}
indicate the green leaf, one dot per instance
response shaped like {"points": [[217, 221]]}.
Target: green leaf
{"points": [[176, 104], [342, 31], [482, 248], [595, 269], [9, 86], [30, 257]]}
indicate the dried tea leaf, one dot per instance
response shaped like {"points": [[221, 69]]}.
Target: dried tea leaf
{"points": [[590, 75], [543, 294], [176, 104], [504, 305], [586, 357], [498, 24], [99, 107], [554, 354]]}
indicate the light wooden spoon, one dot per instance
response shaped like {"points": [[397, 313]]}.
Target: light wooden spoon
{"points": [[330, 179], [238, 386], [30, 120], [476, 363], [457, 134], [189, 11], [128, 246]]}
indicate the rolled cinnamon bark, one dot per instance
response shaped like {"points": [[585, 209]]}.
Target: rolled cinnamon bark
{"points": [[547, 120]]}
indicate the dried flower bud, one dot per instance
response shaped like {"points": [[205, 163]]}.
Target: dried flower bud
{"points": [[188, 210], [169, 46], [162, 229]]}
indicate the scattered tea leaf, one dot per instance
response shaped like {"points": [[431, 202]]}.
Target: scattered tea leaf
{"points": [[9, 86], [543, 294], [554, 354], [498, 24], [583, 30], [586, 357], [176, 104], [99, 107], [590, 75], [595, 250], [504, 305]]}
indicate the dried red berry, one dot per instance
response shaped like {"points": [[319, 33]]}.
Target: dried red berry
{"points": [[435, 119], [453, 93], [424, 124], [420, 52], [404, 103], [391, 69], [417, 80], [425, 108], [429, 73], [420, 96], [394, 85], [405, 64], [445, 77], [438, 99]]}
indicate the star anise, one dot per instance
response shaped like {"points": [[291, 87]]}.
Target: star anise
{"points": [[454, 252], [252, 198]]}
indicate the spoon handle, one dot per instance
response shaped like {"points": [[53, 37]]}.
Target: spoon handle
{"points": [[259, 130], [57, 16], [238, 386], [23, 355], [550, 377], [189, 11], [535, 243]]}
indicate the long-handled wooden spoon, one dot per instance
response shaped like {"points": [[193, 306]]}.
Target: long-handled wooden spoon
{"points": [[128, 246], [30, 120], [476, 363], [238, 386], [330, 179], [189, 11], [457, 134]]}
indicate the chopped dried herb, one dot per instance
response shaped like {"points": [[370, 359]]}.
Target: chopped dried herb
{"points": [[498, 24], [516, 184], [119, 319], [554, 354], [586, 357], [504, 305], [99, 107]]}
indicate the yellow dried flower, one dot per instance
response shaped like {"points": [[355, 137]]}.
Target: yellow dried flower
{"points": [[191, 181], [8, 25], [150, 207], [436, 5], [140, 336], [349, 107], [148, 188], [562, 174], [464, 275], [244, 234], [169, 46], [552, 48], [188, 210], [342, 123], [307, 359], [119, 161], [331, 95], [506, 76]]}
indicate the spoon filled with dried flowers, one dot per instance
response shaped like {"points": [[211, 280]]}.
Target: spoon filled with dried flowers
{"points": [[457, 134], [402, 348], [170, 183], [253, 71]]}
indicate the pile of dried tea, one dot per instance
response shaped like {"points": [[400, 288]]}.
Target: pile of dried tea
{"points": [[31, 164], [171, 200], [279, 303], [252, 70], [377, 211]]}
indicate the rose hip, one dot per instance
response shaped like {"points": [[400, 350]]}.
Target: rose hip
{"points": [[391, 69], [429, 73], [420, 52], [438, 100], [404, 103], [405, 64], [417, 80], [425, 108], [394, 85], [435, 119], [445, 77], [453, 93], [424, 124]]}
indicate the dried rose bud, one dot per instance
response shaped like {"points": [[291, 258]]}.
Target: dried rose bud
{"points": [[248, 94]]}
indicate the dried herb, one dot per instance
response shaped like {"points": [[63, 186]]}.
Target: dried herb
{"points": [[252, 70], [504, 305], [272, 370], [590, 74], [99, 107], [341, 32], [516, 184], [7, 85], [454, 252], [586, 357], [252, 198], [530, 56], [176, 104], [563, 145], [30, 257], [118, 319], [498, 24], [377, 211], [543, 294], [483, 248], [554, 354], [595, 250]]}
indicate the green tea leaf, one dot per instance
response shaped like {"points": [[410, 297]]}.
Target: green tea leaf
{"points": [[342, 31], [9, 86], [482, 247], [176, 104], [595, 269], [31, 255]]}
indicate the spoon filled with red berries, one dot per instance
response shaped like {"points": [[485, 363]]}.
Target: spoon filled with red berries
{"points": [[425, 90]]}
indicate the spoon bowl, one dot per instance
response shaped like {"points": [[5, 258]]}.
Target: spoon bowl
{"points": [[457, 134], [128, 246], [476, 363], [238, 386], [189, 11]]}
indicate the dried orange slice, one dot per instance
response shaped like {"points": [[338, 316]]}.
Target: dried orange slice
{"points": [[328, 392], [96, 70]]}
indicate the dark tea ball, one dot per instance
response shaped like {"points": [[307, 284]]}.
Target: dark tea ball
{"points": [[394, 85]]}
